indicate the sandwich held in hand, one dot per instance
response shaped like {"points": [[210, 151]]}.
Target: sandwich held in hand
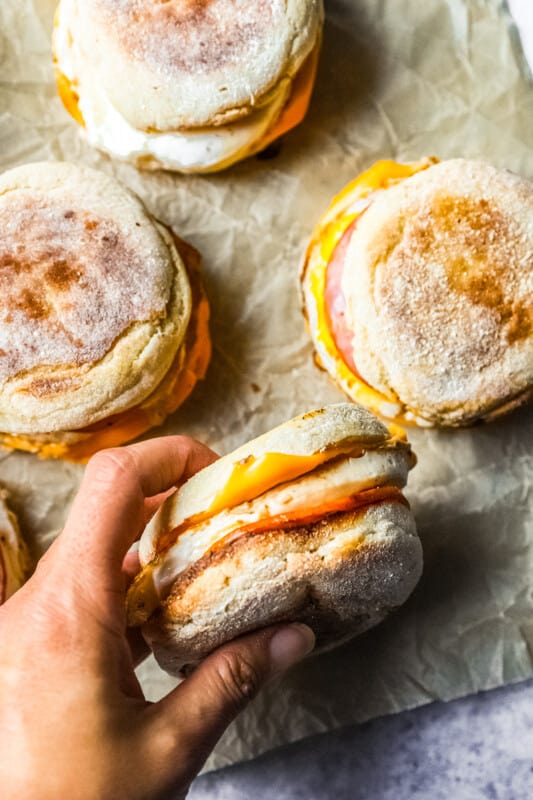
{"points": [[14, 557], [306, 523], [418, 291], [103, 321], [186, 86]]}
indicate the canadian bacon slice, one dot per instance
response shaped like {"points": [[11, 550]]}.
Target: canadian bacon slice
{"points": [[336, 302], [361, 500]]}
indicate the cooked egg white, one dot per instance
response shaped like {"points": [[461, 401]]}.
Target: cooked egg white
{"points": [[330, 483]]}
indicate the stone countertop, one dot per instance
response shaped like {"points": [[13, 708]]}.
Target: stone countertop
{"points": [[477, 747]]}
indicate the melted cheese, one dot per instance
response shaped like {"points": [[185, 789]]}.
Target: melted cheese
{"points": [[254, 476], [69, 97], [298, 103], [344, 209]]}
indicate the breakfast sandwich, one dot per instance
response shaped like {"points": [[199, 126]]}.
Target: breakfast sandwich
{"points": [[418, 291], [186, 86], [103, 320], [307, 523]]}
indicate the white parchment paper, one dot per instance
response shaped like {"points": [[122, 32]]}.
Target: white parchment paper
{"points": [[397, 79]]}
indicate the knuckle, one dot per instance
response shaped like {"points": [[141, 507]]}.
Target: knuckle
{"points": [[239, 678], [186, 445], [184, 441], [110, 466]]}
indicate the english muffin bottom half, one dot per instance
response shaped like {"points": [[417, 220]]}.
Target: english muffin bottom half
{"points": [[103, 321], [191, 87], [306, 523], [418, 291]]}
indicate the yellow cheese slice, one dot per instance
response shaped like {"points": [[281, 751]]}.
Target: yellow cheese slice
{"points": [[344, 209]]}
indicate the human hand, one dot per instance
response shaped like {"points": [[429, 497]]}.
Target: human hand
{"points": [[73, 719]]}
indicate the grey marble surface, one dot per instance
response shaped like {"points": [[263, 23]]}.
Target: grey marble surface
{"points": [[477, 747]]}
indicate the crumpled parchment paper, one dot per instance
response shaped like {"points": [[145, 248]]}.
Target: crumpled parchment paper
{"points": [[397, 79]]}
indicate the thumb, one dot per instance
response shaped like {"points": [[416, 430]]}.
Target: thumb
{"points": [[203, 705]]}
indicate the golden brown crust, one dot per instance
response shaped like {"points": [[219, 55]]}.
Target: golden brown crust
{"points": [[50, 255], [340, 576], [437, 282], [189, 64], [96, 299]]}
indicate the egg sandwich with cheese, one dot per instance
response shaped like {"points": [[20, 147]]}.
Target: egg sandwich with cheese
{"points": [[418, 291], [186, 86], [305, 523], [103, 320]]}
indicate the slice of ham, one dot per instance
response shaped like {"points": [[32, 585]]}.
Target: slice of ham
{"points": [[336, 302], [360, 500]]}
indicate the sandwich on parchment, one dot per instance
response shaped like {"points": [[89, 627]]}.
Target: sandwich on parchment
{"points": [[103, 319], [15, 560], [306, 523], [418, 291], [186, 86]]}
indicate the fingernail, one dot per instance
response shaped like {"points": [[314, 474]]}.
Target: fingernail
{"points": [[289, 645]]}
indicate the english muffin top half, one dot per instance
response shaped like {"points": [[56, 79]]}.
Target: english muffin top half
{"points": [[439, 290], [190, 64], [418, 287]]}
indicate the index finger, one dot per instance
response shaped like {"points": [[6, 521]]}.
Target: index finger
{"points": [[108, 512]]}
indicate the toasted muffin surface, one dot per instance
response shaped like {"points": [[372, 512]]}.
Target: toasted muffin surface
{"points": [[190, 64], [340, 576], [438, 282], [97, 299], [189, 366], [417, 288]]}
